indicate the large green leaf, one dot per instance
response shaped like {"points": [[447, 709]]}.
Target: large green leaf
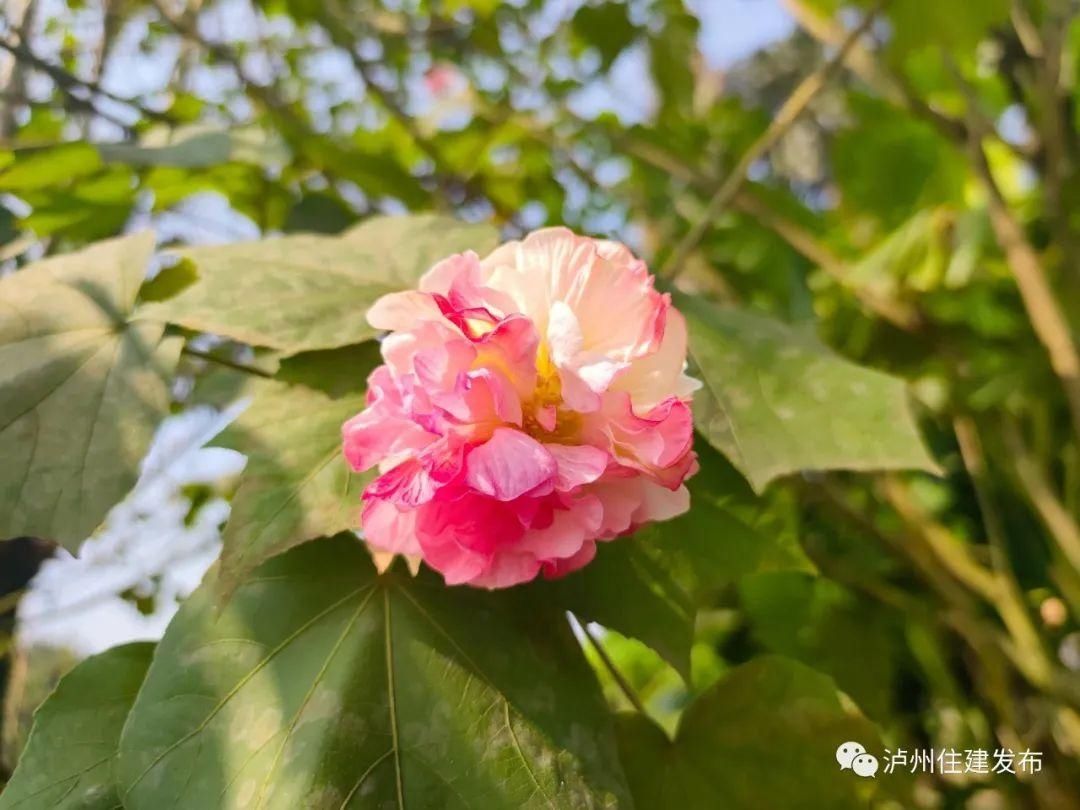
{"points": [[69, 758], [765, 735], [322, 684], [305, 292], [296, 485], [81, 388], [777, 401]]}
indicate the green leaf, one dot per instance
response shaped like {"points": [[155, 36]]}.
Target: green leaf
{"points": [[324, 685], [199, 146], [818, 622], [407, 246], [81, 388], [299, 293], [52, 166], [482, 8], [777, 401], [297, 485], [605, 27], [765, 735], [873, 179], [168, 282], [923, 24], [914, 255], [671, 52], [69, 758], [319, 212]]}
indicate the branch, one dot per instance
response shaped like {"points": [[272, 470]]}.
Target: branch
{"points": [[961, 613], [69, 83], [798, 238], [909, 546], [12, 78], [1053, 129], [1047, 319], [893, 87], [1061, 525], [830, 32], [1011, 604], [785, 117], [1026, 31], [1023, 646], [336, 29], [898, 313], [949, 551], [266, 95]]}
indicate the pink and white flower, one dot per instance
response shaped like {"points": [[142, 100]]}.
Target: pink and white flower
{"points": [[532, 403]]}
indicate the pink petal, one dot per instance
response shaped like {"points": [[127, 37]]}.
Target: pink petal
{"points": [[416, 480], [570, 529], [506, 570], [374, 435], [432, 351], [402, 310], [390, 529], [554, 569], [657, 376], [577, 464], [481, 398], [659, 439], [460, 280], [509, 465], [660, 503]]}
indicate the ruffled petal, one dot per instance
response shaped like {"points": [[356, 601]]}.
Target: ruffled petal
{"points": [[509, 465]]}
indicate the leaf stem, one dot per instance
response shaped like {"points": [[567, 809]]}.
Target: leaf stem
{"points": [[226, 362], [609, 665]]}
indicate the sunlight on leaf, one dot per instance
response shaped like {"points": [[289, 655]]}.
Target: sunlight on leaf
{"points": [[81, 388]]}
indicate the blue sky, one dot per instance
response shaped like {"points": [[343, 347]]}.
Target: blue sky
{"points": [[733, 29]]}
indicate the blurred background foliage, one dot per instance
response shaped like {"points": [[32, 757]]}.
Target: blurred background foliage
{"points": [[920, 214]]}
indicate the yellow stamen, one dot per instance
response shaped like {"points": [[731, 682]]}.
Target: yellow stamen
{"points": [[479, 327]]}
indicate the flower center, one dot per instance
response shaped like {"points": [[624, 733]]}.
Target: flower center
{"points": [[544, 419]]}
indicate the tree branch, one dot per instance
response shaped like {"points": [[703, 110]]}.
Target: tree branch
{"points": [[12, 78], [948, 550], [1062, 526], [338, 25], [1011, 604], [1044, 313], [785, 117], [69, 84], [797, 237]]}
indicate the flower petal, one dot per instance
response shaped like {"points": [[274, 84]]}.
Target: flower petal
{"points": [[509, 465], [577, 465]]}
